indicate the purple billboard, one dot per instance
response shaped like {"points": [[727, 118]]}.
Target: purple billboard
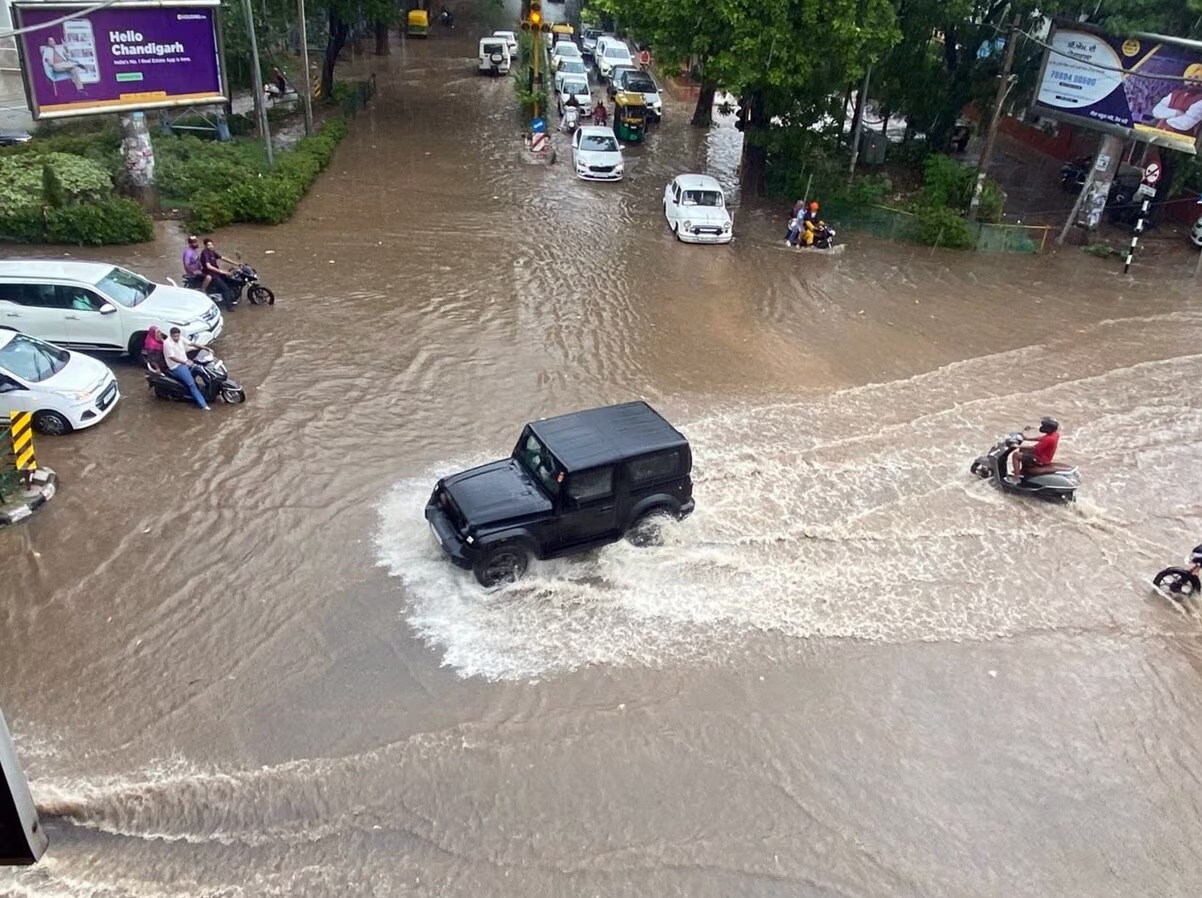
{"points": [[123, 57], [1145, 87]]}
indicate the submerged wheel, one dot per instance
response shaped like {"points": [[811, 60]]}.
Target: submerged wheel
{"points": [[160, 393], [233, 397], [260, 294], [676, 230], [51, 423], [647, 531], [1176, 582], [503, 563], [980, 469]]}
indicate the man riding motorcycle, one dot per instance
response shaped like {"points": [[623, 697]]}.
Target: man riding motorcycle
{"points": [[1029, 462], [804, 225]]}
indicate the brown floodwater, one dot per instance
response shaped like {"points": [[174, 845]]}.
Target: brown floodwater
{"points": [[236, 664]]}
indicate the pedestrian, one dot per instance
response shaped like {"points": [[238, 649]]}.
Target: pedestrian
{"points": [[175, 353]]}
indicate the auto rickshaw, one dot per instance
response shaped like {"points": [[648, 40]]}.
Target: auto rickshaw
{"points": [[630, 116], [417, 23], [560, 31]]}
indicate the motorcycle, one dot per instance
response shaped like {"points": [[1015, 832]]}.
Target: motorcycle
{"points": [[1180, 583], [1073, 175], [243, 278], [824, 237], [1056, 481], [210, 376], [446, 18]]}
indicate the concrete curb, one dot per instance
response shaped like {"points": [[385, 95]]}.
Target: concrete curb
{"points": [[44, 486]]}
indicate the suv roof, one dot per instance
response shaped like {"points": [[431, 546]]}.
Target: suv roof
{"points": [[601, 436], [90, 272]]}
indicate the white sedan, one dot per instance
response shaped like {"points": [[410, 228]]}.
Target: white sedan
{"points": [[596, 154], [576, 87], [695, 207], [65, 390]]}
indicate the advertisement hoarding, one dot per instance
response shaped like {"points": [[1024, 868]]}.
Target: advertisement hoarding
{"points": [[124, 57], [1145, 87]]}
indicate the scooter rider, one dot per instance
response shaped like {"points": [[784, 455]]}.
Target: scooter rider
{"points": [[1043, 450]]}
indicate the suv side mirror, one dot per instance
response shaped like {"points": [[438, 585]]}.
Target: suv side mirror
{"points": [[107, 309]]}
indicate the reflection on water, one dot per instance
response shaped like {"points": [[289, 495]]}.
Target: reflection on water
{"points": [[236, 664]]}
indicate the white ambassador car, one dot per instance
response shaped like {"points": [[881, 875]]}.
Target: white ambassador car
{"points": [[65, 390], [95, 306], [596, 154], [695, 207]]}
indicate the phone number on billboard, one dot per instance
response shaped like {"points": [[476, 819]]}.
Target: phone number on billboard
{"points": [[1070, 78]]}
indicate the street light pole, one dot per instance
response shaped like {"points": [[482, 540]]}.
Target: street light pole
{"points": [[257, 78], [307, 90]]}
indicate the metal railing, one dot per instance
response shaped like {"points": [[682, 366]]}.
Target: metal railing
{"points": [[903, 226]]}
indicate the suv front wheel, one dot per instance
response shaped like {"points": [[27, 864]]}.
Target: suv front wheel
{"points": [[502, 563]]}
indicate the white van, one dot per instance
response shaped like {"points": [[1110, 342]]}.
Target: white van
{"points": [[494, 55], [94, 306], [64, 390]]}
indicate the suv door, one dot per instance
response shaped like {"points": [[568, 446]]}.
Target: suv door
{"points": [[87, 326], [34, 309], [587, 511]]}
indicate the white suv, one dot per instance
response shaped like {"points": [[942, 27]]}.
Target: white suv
{"points": [[611, 54], [94, 306]]}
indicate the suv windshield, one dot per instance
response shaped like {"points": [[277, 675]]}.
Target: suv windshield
{"points": [[639, 84], [32, 360], [539, 462], [616, 53], [125, 287]]}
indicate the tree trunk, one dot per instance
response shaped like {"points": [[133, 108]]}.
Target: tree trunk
{"points": [[843, 117], [703, 112], [755, 148], [334, 44], [138, 153], [382, 47]]}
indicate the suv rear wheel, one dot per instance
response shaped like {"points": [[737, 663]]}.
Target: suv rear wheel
{"points": [[647, 531], [502, 563]]}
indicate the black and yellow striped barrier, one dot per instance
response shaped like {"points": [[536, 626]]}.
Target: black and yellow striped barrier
{"points": [[21, 433], [317, 87]]}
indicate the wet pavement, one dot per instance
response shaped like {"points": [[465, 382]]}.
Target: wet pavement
{"points": [[235, 663]]}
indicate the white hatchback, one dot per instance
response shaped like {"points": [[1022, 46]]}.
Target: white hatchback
{"points": [[64, 390], [695, 207], [94, 306], [596, 154]]}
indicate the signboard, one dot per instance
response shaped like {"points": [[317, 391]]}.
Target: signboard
{"points": [[1152, 174], [135, 55], [1146, 87]]}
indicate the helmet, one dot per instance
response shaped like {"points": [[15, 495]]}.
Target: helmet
{"points": [[814, 207], [1048, 425]]}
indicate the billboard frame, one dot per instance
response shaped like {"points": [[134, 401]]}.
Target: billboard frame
{"points": [[1123, 131], [220, 99]]}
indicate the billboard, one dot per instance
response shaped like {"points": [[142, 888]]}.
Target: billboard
{"points": [[1145, 87], [123, 57]]}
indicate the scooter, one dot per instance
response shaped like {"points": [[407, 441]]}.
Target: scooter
{"points": [[1179, 583], [1056, 481], [571, 119], [210, 376]]}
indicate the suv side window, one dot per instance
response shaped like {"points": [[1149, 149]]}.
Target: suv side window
{"points": [[79, 299], [43, 296], [650, 468], [588, 486]]}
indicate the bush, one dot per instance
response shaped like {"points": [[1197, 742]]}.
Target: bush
{"points": [[107, 222], [870, 191], [22, 179], [940, 226], [946, 182]]}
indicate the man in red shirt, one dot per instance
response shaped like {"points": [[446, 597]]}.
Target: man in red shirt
{"points": [[1044, 450]]}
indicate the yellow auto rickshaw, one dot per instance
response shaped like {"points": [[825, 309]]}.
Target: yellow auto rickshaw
{"points": [[560, 31], [417, 23], [630, 116]]}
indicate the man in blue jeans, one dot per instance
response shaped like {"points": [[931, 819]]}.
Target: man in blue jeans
{"points": [[175, 352]]}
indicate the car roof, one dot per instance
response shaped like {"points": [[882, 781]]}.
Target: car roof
{"points": [[697, 182], [597, 131], [602, 436], [68, 269]]}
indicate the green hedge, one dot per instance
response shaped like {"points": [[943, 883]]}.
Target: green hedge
{"points": [[268, 197], [107, 222], [23, 178]]}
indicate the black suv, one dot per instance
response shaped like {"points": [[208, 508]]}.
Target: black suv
{"points": [[572, 483]]}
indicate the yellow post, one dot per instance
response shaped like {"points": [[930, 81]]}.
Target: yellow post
{"points": [[21, 433]]}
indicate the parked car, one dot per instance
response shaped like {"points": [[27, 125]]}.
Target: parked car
{"points": [[588, 40], [65, 390], [596, 154], [494, 57], [14, 138], [695, 208], [1195, 234], [571, 484], [565, 66], [511, 41], [614, 54], [636, 81], [96, 306], [575, 87]]}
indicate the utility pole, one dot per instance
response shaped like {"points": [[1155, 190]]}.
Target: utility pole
{"points": [[307, 89], [257, 78], [862, 104], [1003, 88]]}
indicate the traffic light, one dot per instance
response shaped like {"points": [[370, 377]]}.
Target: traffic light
{"points": [[536, 13]]}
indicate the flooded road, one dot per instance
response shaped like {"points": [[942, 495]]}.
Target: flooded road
{"points": [[235, 663]]}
